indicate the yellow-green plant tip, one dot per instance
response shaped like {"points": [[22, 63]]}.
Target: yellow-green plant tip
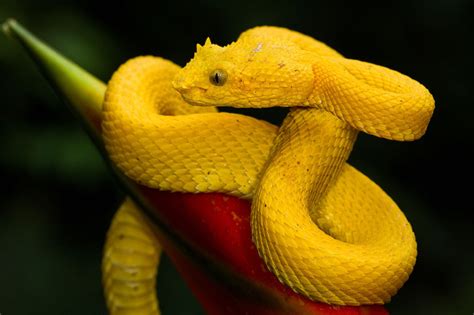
{"points": [[83, 92], [6, 26], [80, 89]]}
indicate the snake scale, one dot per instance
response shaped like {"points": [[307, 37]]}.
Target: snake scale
{"points": [[320, 225]]}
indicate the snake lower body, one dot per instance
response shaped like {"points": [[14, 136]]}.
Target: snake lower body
{"points": [[321, 226]]}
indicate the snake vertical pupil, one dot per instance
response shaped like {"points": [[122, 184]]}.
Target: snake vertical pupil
{"points": [[218, 77]]}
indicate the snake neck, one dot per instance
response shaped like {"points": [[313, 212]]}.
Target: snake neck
{"points": [[310, 150], [373, 99]]}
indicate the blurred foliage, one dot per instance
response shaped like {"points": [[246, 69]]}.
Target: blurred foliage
{"points": [[58, 198]]}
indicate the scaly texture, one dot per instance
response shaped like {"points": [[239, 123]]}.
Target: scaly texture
{"points": [[130, 262], [321, 226], [361, 249], [193, 152]]}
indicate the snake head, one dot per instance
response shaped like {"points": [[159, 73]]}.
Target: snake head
{"points": [[252, 72]]}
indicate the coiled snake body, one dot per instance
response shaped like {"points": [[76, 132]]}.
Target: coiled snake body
{"points": [[321, 226]]}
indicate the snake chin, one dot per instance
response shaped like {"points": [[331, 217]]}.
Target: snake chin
{"points": [[195, 103]]}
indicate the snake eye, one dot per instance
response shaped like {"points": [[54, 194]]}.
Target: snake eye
{"points": [[218, 77]]}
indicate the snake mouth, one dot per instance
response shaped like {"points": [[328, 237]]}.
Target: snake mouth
{"points": [[192, 99], [193, 95]]}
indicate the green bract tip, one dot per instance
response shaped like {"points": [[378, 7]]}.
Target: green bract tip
{"points": [[81, 90]]}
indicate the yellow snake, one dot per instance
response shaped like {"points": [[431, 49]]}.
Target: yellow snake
{"points": [[321, 226]]}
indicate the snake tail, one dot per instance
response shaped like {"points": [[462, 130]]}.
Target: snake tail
{"points": [[130, 263]]}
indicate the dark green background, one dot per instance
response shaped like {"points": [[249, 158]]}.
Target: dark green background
{"points": [[57, 197]]}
